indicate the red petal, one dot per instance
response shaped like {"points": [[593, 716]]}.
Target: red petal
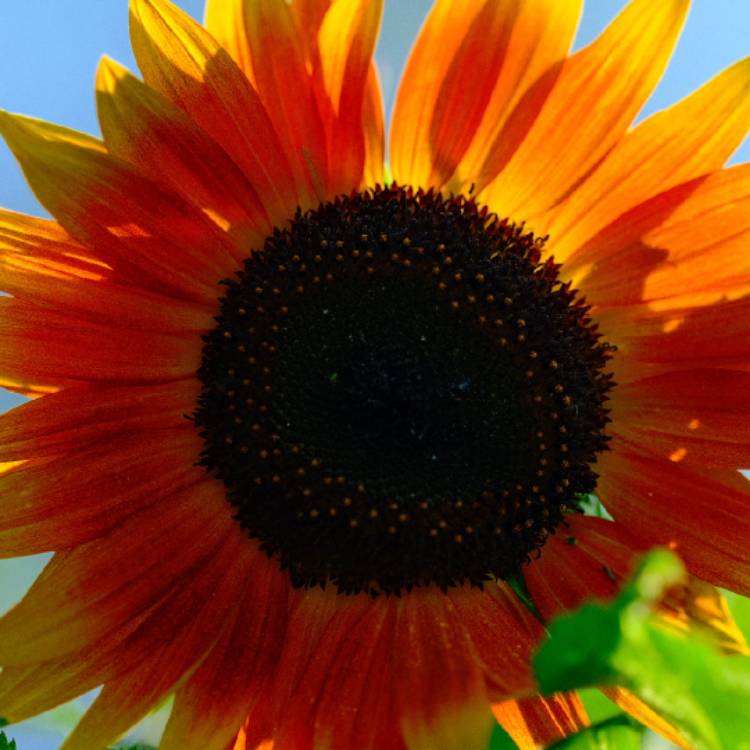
{"points": [[65, 501], [703, 518], [97, 588]]}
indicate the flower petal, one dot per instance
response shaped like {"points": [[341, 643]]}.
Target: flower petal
{"points": [[595, 99], [94, 589], [647, 716], [46, 348], [346, 43], [142, 127], [699, 607], [29, 690], [41, 263], [504, 635], [401, 644], [182, 61], [276, 59], [440, 689], [81, 417], [690, 139], [653, 342], [309, 15], [47, 506], [344, 696], [534, 722], [711, 531], [313, 635], [697, 418], [469, 69], [123, 701], [212, 705], [223, 20], [686, 246], [373, 119], [148, 236], [227, 21]]}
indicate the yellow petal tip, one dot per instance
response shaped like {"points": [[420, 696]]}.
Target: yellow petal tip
{"points": [[109, 73]]}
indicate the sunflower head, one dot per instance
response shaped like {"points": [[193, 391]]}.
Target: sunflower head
{"points": [[400, 377]]}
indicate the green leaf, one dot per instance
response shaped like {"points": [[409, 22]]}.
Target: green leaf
{"points": [[598, 706], [5, 743], [691, 684], [501, 740], [740, 608], [619, 733], [591, 505]]}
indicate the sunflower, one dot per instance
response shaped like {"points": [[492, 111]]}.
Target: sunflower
{"points": [[300, 430]]}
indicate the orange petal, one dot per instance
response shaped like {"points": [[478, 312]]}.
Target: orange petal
{"points": [[316, 621], [41, 263], [534, 722], [345, 45], [51, 244], [142, 127], [683, 247], [595, 99], [242, 742], [357, 706], [181, 60], [228, 22], [277, 62], [690, 139], [223, 20], [467, 72], [697, 418], [694, 338], [124, 701], [647, 716], [94, 590], [47, 348], [373, 119], [211, 706], [703, 518], [698, 607], [541, 39], [309, 15], [147, 235], [695, 605], [49, 506]]}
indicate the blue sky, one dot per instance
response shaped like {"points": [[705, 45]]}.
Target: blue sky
{"points": [[50, 50]]}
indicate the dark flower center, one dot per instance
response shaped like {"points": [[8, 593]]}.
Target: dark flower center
{"points": [[400, 392]]}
